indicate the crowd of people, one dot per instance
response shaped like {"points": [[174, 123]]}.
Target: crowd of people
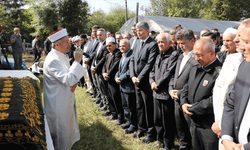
{"points": [[156, 85]]}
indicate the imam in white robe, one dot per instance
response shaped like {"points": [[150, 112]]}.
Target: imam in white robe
{"points": [[59, 101]]}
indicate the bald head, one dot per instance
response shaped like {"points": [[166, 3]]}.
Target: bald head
{"points": [[204, 51], [124, 46]]}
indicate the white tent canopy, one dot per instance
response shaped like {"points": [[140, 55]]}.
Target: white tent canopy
{"points": [[167, 23]]}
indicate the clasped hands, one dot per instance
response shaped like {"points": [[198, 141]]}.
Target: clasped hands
{"points": [[136, 81], [105, 76], [173, 94], [185, 109], [154, 86]]}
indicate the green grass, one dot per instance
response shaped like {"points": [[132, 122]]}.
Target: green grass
{"points": [[96, 132]]}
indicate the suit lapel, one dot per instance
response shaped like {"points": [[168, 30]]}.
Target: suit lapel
{"points": [[178, 65], [245, 94], [188, 63]]}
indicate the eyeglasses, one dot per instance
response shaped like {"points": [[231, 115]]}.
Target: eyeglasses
{"points": [[108, 45], [201, 55]]}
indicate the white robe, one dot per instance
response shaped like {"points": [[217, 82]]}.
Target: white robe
{"points": [[59, 101]]}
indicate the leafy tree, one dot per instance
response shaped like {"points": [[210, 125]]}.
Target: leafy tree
{"points": [[233, 10], [13, 15], [73, 16], [112, 21]]}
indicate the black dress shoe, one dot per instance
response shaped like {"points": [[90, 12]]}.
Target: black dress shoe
{"points": [[125, 126], [112, 118], [148, 140], [93, 96], [130, 130], [120, 122], [107, 113], [139, 134], [98, 101]]}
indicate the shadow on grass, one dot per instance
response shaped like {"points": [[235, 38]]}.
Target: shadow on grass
{"points": [[97, 137]]}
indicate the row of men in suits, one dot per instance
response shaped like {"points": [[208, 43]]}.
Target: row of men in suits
{"points": [[171, 89]]}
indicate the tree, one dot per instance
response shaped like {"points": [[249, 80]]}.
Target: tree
{"points": [[73, 16], [13, 15], [233, 10], [175, 8], [112, 21]]}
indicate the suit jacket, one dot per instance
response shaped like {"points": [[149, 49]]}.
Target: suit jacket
{"points": [[100, 58], [235, 104], [91, 51], [141, 63], [112, 64], [123, 73], [162, 72], [198, 92], [178, 80]]}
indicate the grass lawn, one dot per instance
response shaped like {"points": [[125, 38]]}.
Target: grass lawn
{"points": [[96, 132]]}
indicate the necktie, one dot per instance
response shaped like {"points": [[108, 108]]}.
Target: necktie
{"points": [[109, 62], [141, 46]]}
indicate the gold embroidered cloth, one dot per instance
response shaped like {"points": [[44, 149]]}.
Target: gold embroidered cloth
{"points": [[21, 114]]}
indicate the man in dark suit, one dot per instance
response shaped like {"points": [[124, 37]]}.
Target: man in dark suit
{"points": [[235, 120], [185, 63], [109, 70], [159, 77], [90, 54], [97, 65], [196, 98], [127, 88], [141, 63]]}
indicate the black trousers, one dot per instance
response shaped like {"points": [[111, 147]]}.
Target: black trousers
{"points": [[37, 55], [203, 138], [115, 94], [145, 110], [182, 122], [104, 93], [96, 84], [164, 121], [129, 107]]}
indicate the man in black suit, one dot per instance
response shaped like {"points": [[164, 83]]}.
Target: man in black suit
{"points": [[196, 98], [109, 70], [141, 63], [235, 120], [97, 66], [127, 88], [185, 63], [88, 61], [159, 77]]}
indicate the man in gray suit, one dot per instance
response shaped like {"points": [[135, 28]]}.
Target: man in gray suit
{"points": [[185, 62], [141, 63], [235, 127]]}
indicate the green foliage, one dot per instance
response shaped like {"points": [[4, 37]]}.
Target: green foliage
{"points": [[112, 21], [13, 15], [73, 16], [233, 10]]}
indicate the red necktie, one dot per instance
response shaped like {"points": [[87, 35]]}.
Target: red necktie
{"points": [[109, 62]]}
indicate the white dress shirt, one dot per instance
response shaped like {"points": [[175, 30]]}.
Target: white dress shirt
{"points": [[185, 59]]}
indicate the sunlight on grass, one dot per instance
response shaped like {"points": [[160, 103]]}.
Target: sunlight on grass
{"points": [[96, 132]]}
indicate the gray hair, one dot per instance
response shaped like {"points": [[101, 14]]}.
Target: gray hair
{"points": [[103, 30], [128, 43], [187, 34], [167, 35], [209, 45], [142, 24], [58, 41]]}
